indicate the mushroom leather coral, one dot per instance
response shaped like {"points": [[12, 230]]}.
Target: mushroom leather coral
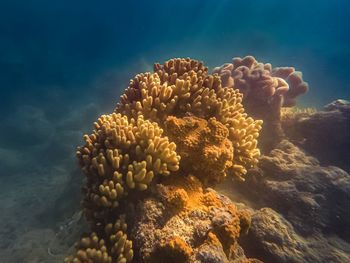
{"points": [[178, 112], [260, 82], [265, 90]]}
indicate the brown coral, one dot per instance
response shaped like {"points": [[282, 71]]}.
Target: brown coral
{"points": [[265, 90], [260, 82]]}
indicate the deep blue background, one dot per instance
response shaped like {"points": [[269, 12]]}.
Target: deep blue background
{"points": [[67, 47]]}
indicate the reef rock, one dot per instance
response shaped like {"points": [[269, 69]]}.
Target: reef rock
{"points": [[325, 134], [273, 239], [312, 204], [182, 222]]}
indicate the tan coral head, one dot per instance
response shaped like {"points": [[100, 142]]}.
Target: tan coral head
{"points": [[259, 81], [174, 121]]}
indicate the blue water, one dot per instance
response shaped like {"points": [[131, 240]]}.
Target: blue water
{"points": [[71, 43], [63, 63]]}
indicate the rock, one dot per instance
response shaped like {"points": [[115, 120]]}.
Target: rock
{"points": [[337, 105], [311, 203], [203, 227], [312, 197], [273, 239], [324, 134]]}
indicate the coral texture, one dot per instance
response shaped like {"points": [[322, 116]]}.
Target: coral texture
{"points": [[265, 90], [204, 147], [182, 220], [182, 87], [122, 155], [134, 149]]}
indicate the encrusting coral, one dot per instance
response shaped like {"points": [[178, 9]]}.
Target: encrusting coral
{"points": [[178, 112], [182, 220], [204, 148], [265, 90]]}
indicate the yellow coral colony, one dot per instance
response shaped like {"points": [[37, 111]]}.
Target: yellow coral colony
{"points": [[121, 155], [183, 87], [127, 148], [114, 248]]}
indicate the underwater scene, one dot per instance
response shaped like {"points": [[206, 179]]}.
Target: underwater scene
{"points": [[175, 131]]}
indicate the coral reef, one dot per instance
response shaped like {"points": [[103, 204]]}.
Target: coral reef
{"points": [[182, 87], [265, 90], [174, 132], [182, 222], [178, 131]]}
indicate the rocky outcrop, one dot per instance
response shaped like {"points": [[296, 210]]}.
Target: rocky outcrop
{"points": [[324, 134], [311, 208], [273, 239], [182, 222]]}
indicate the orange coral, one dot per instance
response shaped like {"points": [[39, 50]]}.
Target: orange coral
{"points": [[189, 192], [203, 146], [227, 225], [174, 250]]}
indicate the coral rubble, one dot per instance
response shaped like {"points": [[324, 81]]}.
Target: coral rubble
{"points": [[174, 132]]}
